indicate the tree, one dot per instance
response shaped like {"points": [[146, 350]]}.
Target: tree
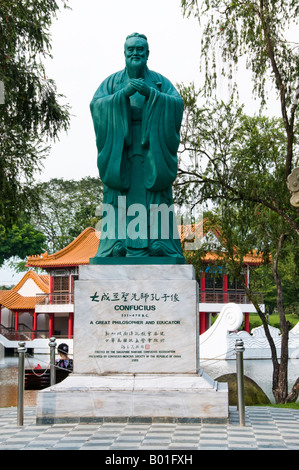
{"points": [[66, 208], [289, 273], [241, 166], [31, 113], [256, 30], [21, 241]]}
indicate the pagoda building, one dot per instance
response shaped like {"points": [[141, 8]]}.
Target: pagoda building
{"points": [[62, 268], [18, 305]]}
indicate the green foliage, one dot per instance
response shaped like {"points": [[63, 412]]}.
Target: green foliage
{"points": [[255, 30], [66, 208], [240, 161], [31, 112], [292, 406], [240, 169], [245, 172], [273, 320], [20, 241], [262, 281]]}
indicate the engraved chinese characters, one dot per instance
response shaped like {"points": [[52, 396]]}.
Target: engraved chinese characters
{"points": [[142, 330]]}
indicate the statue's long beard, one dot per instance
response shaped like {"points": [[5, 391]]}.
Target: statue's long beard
{"points": [[136, 70]]}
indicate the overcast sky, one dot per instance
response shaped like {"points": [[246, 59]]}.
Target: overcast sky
{"points": [[87, 46]]}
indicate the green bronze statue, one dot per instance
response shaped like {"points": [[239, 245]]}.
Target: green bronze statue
{"points": [[137, 115]]}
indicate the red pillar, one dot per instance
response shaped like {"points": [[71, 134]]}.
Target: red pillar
{"points": [[246, 322], [202, 322], [70, 288], [16, 321], [71, 314], [34, 327], [71, 325], [225, 294], [202, 315], [51, 324]]}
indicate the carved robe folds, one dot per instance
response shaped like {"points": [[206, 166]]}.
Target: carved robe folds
{"points": [[137, 141]]}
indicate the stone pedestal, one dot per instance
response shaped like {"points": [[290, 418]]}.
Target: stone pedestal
{"points": [[136, 353]]}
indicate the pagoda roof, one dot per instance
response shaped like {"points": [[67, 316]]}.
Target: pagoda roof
{"points": [[13, 300], [41, 280], [76, 253]]}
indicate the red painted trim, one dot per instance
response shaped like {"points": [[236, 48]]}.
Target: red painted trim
{"points": [[202, 287], [71, 325], [225, 285], [51, 324], [34, 326], [48, 267], [246, 321], [16, 321], [71, 286], [202, 322]]}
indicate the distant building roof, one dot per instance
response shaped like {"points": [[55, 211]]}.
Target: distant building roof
{"points": [[41, 280], [13, 300], [76, 253]]}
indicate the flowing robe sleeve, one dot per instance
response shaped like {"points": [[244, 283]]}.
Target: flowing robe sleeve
{"points": [[111, 118], [161, 121]]}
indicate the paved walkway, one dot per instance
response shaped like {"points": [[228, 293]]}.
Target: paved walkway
{"points": [[265, 429]]}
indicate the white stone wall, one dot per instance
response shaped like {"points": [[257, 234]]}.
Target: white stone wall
{"points": [[218, 342], [29, 289]]}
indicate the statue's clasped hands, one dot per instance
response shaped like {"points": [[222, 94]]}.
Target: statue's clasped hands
{"points": [[137, 84]]}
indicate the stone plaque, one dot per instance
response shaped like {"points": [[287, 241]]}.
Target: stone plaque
{"points": [[124, 326]]}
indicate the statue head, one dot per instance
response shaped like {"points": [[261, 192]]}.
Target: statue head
{"points": [[136, 52]]}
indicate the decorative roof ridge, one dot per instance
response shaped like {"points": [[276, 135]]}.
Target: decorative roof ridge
{"points": [[36, 278], [14, 300], [64, 250]]}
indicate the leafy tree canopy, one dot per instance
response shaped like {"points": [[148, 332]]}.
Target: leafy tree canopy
{"points": [[236, 162], [20, 241], [31, 112], [257, 31], [65, 209], [227, 156], [239, 163]]}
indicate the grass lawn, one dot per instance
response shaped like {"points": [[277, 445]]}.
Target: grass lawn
{"points": [[255, 321], [292, 406]]}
